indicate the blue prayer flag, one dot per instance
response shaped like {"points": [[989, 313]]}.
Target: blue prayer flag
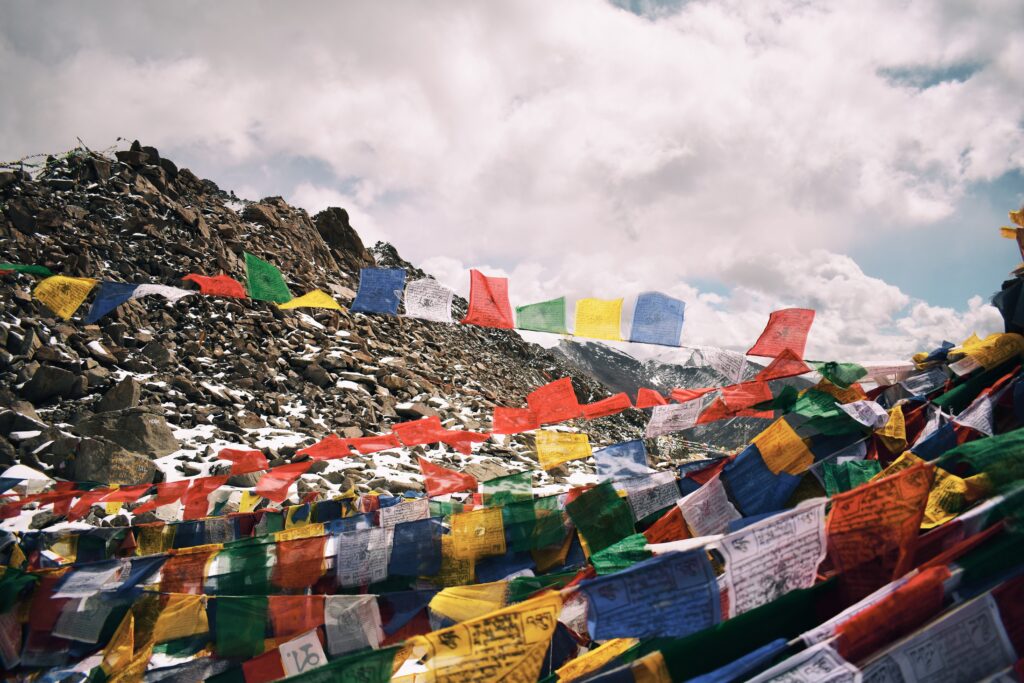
{"points": [[667, 596], [380, 290], [743, 668], [936, 443], [622, 460], [753, 487], [109, 295], [416, 548], [657, 319]]}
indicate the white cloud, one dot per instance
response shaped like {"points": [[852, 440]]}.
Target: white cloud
{"points": [[576, 147]]}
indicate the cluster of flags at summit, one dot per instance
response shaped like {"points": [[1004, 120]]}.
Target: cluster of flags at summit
{"points": [[656, 318]]}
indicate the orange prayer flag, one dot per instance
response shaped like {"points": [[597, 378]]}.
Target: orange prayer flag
{"points": [[300, 563], [166, 493], [488, 302], [185, 570], [670, 527], [440, 480], [686, 395], [197, 499], [513, 420], [648, 398], [746, 394], [217, 285], [418, 432], [786, 364], [786, 329], [554, 402], [292, 615], [243, 460], [607, 406], [328, 448], [366, 445]]}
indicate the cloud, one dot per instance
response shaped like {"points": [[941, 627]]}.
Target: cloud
{"points": [[576, 146]]}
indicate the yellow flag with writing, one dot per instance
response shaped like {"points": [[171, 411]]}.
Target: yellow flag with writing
{"points": [[506, 645], [183, 615], [598, 318], [63, 295], [782, 449], [576, 669], [462, 603], [554, 448]]}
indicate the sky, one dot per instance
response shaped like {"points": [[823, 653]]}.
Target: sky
{"points": [[855, 158]]}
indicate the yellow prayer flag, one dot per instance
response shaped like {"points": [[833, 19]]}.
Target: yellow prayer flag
{"points": [[782, 449], [153, 540], [121, 647], [506, 645], [289, 518], [894, 432], [462, 603], [554, 448], [184, 615], [1008, 232], [455, 571], [1018, 217], [249, 501], [315, 299], [651, 668], [848, 395], [17, 559], [63, 295], [478, 533], [135, 670], [598, 318], [590, 662], [993, 349], [295, 533]]}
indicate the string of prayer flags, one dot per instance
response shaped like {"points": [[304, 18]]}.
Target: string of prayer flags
{"points": [[607, 406], [505, 645], [554, 402], [546, 316], [601, 516], [314, 299], [622, 460], [63, 295], [264, 282], [25, 268], [380, 290], [440, 480], [243, 461], [598, 318], [786, 329], [555, 448], [657, 319], [426, 299], [217, 285], [488, 302], [273, 485], [668, 596], [109, 295]]}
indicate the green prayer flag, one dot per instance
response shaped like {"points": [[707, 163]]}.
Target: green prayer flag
{"points": [[11, 584], [621, 555], [601, 516], [444, 508], [840, 374], [784, 401], [533, 524], [522, 587], [840, 477], [26, 268], [247, 567], [546, 316], [512, 488], [814, 403], [240, 625], [264, 282], [1001, 457]]}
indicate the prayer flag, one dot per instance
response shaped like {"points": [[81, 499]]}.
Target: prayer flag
{"points": [[657, 319], [555, 448], [315, 299], [488, 302], [380, 290], [440, 480], [786, 329], [546, 316], [676, 417], [622, 460], [426, 299], [217, 285], [240, 625], [264, 282], [668, 596], [554, 402], [708, 510], [366, 445], [419, 544], [513, 420], [746, 395], [300, 563], [598, 318], [109, 295], [601, 516], [362, 556], [166, 493], [786, 364], [273, 485], [26, 268], [328, 448], [478, 533], [782, 449], [352, 623], [418, 432], [243, 461], [511, 488], [648, 398], [607, 406], [686, 395], [197, 499], [181, 616], [753, 486], [63, 295], [841, 374], [292, 615], [172, 294]]}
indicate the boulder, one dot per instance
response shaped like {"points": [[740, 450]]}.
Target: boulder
{"points": [[105, 462], [124, 394], [48, 382], [138, 430]]}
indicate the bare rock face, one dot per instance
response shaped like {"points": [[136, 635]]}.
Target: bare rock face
{"points": [[136, 429], [49, 382], [333, 225], [124, 394], [104, 462]]}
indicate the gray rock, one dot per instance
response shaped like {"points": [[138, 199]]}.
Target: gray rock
{"points": [[49, 381], [159, 354], [124, 394], [105, 462], [139, 430]]}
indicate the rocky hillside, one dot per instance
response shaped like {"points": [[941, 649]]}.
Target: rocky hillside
{"points": [[155, 388]]}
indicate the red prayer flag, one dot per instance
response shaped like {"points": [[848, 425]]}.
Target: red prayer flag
{"points": [[126, 494], [786, 364], [649, 398], [373, 444], [218, 285], [273, 485], [417, 432], [293, 615], [488, 302], [786, 329], [685, 395], [441, 480], [513, 420], [300, 564], [197, 499], [462, 441], [264, 668], [670, 527], [554, 402], [607, 406], [746, 394], [243, 461], [81, 508], [328, 448], [185, 570], [166, 493]]}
